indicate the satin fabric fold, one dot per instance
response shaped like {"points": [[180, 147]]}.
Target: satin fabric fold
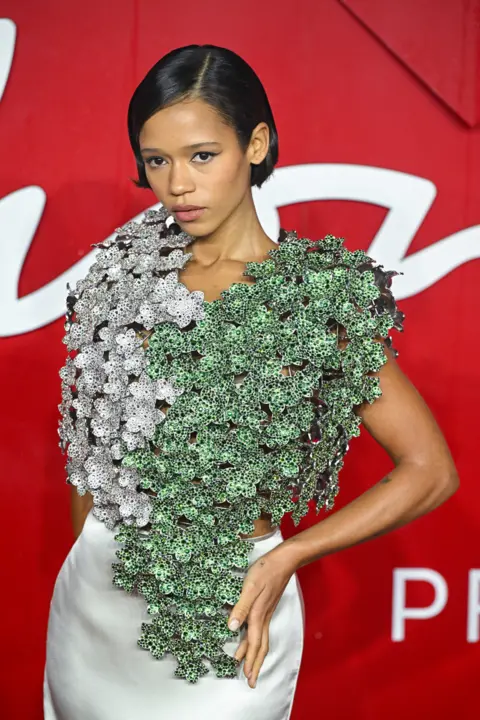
{"points": [[95, 670]]}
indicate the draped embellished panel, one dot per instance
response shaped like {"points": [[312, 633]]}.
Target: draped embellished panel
{"points": [[187, 419]]}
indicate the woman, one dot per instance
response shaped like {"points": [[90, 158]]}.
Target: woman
{"points": [[199, 407]]}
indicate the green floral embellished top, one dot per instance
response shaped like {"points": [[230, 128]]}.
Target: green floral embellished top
{"points": [[261, 388]]}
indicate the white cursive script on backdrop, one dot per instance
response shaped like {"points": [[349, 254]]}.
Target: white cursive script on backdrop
{"points": [[8, 33], [408, 199]]}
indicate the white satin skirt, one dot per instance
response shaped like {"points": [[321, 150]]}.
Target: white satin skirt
{"points": [[96, 671]]}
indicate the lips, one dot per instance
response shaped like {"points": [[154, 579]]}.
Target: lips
{"points": [[186, 208], [188, 213]]}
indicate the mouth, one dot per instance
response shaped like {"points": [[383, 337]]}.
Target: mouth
{"points": [[187, 213]]}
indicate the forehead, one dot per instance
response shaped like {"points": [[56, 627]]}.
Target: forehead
{"points": [[183, 124]]}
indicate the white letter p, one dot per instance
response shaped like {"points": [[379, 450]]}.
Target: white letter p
{"points": [[400, 612]]}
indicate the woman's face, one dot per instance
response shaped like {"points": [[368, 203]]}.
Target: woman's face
{"points": [[191, 157]]}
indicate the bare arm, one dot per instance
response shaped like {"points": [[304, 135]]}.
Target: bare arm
{"points": [[79, 507], [423, 478]]}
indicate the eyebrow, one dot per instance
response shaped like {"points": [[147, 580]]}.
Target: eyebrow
{"points": [[186, 147]]}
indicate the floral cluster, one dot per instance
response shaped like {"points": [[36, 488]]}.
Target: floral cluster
{"points": [[109, 402], [234, 407]]}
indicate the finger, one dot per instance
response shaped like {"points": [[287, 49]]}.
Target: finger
{"points": [[261, 655], [242, 649], [256, 625], [239, 614]]}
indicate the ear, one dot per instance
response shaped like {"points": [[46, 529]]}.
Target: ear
{"points": [[259, 143]]}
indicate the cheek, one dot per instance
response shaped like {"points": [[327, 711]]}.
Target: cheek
{"points": [[232, 174], [156, 185]]}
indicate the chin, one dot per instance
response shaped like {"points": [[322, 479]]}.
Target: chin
{"points": [[195, 229]]}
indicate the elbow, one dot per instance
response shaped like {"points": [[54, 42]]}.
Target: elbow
{"points": [[446, 485], [452, 482], [436, 482]]}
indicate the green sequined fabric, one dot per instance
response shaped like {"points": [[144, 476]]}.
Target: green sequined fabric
{"points": [[245, 436]]}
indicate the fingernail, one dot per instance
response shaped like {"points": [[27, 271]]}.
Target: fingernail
{"points": [[234, 624]]}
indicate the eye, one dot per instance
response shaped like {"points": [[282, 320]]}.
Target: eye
{"points": [[206, 157], [204, 152], [148, 161]]}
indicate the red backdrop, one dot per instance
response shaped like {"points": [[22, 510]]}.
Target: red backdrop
{"points": [[377, 107]]}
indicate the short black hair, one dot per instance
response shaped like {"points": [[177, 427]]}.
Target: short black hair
{"points": [[219, 77]]}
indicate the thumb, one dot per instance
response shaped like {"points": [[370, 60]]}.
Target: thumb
{"points": [[238, 616]]}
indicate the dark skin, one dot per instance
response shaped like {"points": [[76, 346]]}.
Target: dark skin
{"points": [[227, 235]]}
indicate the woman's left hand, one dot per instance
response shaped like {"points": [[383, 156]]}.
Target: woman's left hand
{"points": [[263, 587]]}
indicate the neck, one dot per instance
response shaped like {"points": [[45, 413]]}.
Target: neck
{"points": [[239, 238]]}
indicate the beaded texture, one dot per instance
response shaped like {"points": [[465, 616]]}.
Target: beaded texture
{"points": [[260, 387]]}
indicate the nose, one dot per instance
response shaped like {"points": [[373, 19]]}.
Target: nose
{"points": [[180, 179]]}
